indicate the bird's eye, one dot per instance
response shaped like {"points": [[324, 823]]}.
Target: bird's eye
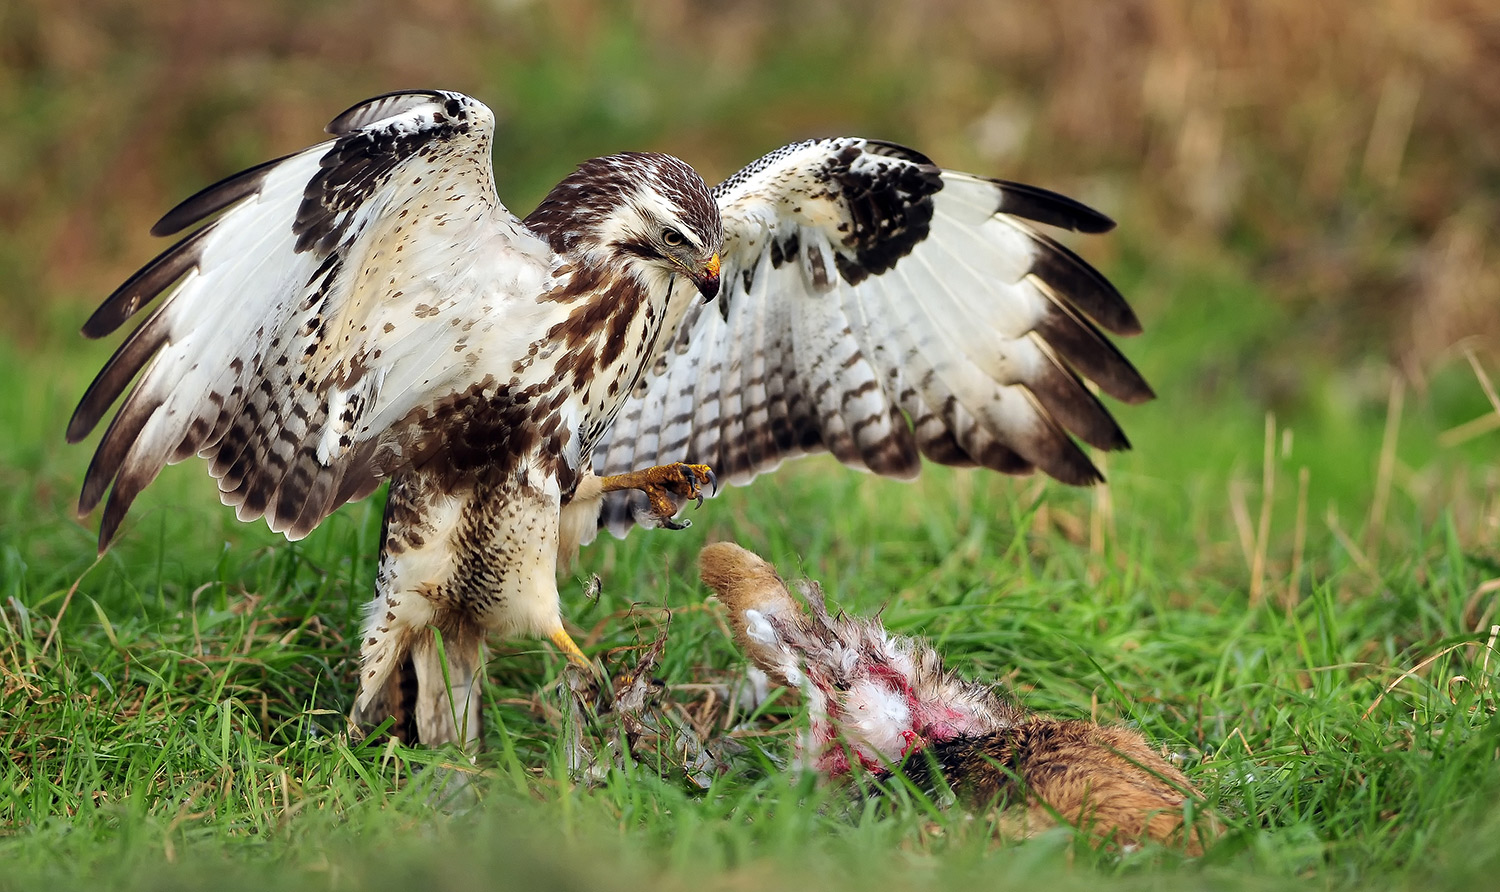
{"points": [[672, 238]]}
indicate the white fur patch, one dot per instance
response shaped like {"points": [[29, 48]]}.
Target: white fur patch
{"points": [[758, 628], [877, 716]]}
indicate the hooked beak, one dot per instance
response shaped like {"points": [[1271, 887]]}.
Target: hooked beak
{"points": [[707, 279]]}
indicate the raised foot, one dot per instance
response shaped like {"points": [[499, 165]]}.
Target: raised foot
{"points": [[667, 487]]}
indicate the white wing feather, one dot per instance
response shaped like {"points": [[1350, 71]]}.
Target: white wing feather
{"points": [[880, 308], [343, 291]]}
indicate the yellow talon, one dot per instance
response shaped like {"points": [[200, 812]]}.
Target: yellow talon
{"points": [[570, 650], [664, 485]]}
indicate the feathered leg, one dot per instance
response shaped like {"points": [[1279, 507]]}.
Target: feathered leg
{"points": [[396, 699], [394, 620], [431, 692], [458, 562], [449, 671]]}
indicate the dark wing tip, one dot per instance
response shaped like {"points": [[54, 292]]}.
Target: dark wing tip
{"points": [[109, 524], [896, 150], [79, 426], [147, 282], [1085, 287], [116, 375], [172, 222], [1079, 411], [386, 105], [1067, 463], [1050, 208], [212, 199], [1141, 393], [1086, 349], [103, 321]]}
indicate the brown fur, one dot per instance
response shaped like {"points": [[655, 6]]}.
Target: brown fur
{"points": [[1109, 782], [742, 580]]}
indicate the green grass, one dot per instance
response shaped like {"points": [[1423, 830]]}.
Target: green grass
{"points": [[170, 714]]}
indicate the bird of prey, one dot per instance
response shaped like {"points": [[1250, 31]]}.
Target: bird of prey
{"points": [[368, 310], [882, 703]]}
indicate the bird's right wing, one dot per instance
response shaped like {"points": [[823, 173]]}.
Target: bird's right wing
{"points": [[315, 335]]}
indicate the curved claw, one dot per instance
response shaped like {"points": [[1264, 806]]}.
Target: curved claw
{"points": [[667, 488], [672, 523], [701, 476]]}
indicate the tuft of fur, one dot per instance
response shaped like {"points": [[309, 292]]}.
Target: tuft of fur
{"points": [[884, 703], [1107, 781], [874, 696]]}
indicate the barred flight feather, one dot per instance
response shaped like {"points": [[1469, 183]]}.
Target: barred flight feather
{"points": [[880, 308], [292, 336]]}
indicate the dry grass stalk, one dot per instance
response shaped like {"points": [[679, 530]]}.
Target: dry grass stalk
{"points": [[1386, 468], [1101, 518], [67, 599], [1355, 553], [1391, 129], [1484, 423], [1299, 544], [1413, 672], [1239, 511], [1267, 498]]}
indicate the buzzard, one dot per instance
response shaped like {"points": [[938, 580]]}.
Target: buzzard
{"points": [[368, 310]]}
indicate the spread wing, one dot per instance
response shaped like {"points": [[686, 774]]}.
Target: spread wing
{"points": [[306, 334], [880, 308]]}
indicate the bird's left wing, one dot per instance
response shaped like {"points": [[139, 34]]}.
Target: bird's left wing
{"points": [[343, 296], [878, 307]]}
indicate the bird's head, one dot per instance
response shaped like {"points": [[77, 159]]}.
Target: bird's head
{"points": [[645, 209]]}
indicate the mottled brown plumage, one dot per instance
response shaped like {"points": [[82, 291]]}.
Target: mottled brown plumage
{"points": [[368, 311]]}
